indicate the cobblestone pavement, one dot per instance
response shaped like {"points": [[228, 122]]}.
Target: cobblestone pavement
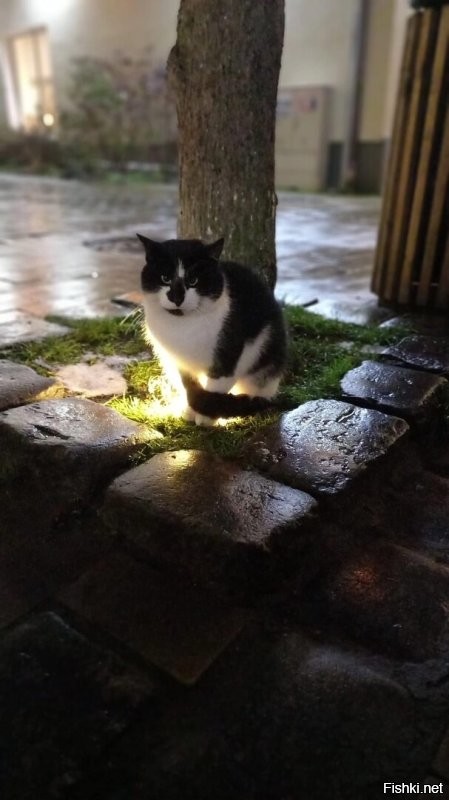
{"points": [[196, 629], [52, 233], [273, 629]]}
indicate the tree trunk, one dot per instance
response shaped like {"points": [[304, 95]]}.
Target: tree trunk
{"points": [[224, 70]]}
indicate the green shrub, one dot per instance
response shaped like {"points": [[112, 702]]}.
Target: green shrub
{"points": [[119, 112], [116, 112]]}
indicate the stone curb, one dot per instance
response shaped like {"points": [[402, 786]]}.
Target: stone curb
{"points": [[325, 446], [63, 699], [71, 445], [20, 384], [421, 352], [223, 526], [412, 394], [174, 625], [233, 530]]}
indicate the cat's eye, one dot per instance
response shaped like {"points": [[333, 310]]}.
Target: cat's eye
{"points": [[191, 281], [165, 279]]}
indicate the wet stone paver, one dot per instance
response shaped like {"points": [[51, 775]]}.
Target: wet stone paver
{"points": [[422, 352], [70, 444], [74, 425], [62, 699], [408, 393], [250, 728], [241, 596], [69, 248], [220, 524], [176, 626], [37, 559], [380, 593], [20, 384], [91, 380], [16, 326], [324, 445]]}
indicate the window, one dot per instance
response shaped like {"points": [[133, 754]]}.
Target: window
{"points": [[32, 80]]}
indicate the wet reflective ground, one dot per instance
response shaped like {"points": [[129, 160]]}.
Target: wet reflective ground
{"points": [[325, 246]]}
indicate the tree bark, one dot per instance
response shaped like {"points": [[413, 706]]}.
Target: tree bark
{"points": [[224, 70]]}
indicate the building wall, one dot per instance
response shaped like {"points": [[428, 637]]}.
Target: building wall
{"points": [[319, 47], [318, 51], [94, 28]]}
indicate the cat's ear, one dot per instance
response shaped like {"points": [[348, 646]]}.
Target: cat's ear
{"points": [[214, 249], [152, 248]]}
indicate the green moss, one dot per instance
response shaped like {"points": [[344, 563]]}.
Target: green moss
{"points": [[320, 353]]}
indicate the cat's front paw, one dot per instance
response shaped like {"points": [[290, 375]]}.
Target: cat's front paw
{"points": [[188, 414], [204, 422]]}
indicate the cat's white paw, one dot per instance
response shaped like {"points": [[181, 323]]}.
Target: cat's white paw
{"points": [[188, 414], [204, 422]]}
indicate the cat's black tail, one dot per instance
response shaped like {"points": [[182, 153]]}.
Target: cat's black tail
{"points": [[216, 404]]}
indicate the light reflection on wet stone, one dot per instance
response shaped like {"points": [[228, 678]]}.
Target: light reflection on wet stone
{"points": [[395, 389], [422, 352], [323, 445]]}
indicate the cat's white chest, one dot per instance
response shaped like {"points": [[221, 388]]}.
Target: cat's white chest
{"points": [[189, 340]]}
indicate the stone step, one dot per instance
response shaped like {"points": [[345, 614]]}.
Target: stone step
{"points": [[223, 526], [36, 563], [422, 352], [282, 716], [61, 450], [379, 594], [62, 700], [411, 394], [20, 384], [170, 623], [324, 446]]}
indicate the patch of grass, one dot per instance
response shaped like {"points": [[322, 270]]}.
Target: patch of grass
{"points": [[109, 336], [320, 353], [175, 434], [322, 350], [303, 323], [139, 374]]}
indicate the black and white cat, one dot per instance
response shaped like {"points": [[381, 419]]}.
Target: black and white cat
{"points": [[216, 319]]}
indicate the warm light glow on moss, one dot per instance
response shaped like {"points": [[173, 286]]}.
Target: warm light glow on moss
{"points": [[172, 405], [167, 392], [168, 396]]}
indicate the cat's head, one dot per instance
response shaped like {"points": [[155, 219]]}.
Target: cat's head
{"points": [[183, 274]]}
